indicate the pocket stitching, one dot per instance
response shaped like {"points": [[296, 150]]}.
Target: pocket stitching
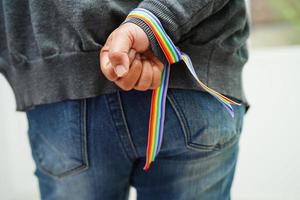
{"points": [[186, 130], [84, 154], [183, 122], [181, 119]]}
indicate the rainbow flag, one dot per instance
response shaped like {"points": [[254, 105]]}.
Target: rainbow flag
{"points": [[158, 102]]}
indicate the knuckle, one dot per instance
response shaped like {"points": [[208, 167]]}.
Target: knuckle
{"points": [[126, 88], [109, 75], [161, 66], [115, 55], [124, 85], [142, 87], [103, 49], [137, 65], [147, 78], [156, 84], [122, 31]]}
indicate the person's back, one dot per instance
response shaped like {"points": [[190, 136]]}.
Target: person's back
{"points": [[88, 137]]}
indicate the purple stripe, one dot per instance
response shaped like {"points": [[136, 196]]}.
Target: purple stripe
{"points": [[166, 83], [166, 35], [160, 112], [228, 107]]}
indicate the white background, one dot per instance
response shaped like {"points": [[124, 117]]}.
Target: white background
{"points": [[268, 166]]}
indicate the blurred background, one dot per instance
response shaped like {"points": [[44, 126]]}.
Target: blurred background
{"points": [[268, 166]]}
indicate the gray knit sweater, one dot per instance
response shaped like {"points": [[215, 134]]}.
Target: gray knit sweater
{"points": [[49, 49]]}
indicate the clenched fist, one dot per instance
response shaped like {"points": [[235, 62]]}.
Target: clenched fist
{"points": [[127, 60]]}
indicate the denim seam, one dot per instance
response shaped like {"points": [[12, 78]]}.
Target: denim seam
{"points": [[182, 122], [126, 125], [84, 154], [84, 131], [123, 148], [207, 154], [186, 130]]}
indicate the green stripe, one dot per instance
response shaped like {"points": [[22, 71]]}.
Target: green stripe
{"points": [[164, 38], [158, 113]]}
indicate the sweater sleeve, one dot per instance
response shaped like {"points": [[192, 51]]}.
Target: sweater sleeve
{"points": [[178, 17], [3, 51]]}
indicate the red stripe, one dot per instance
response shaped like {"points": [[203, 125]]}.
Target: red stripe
{"points": [[150, 130], [165, 49]]}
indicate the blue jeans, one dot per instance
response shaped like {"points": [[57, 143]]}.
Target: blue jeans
{"points": [[94, 148]]}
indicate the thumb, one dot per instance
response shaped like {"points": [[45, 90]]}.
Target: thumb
{"points": [[119, 48]]}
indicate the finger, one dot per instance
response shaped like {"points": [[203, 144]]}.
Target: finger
{"points": [[132, 54], [150, 56], [119, 47], [128, 82], [106, 67], [156, 80], [145, 80], [157, 63]]}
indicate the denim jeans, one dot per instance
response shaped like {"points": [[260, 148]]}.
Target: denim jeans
{"points": [[95, 148]]}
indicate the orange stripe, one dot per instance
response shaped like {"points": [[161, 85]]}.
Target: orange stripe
{"points": [[153, 116], [150, 131], [170, 59]]}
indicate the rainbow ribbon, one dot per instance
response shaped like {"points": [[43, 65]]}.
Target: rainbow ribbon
{"points": [[158, 102]]}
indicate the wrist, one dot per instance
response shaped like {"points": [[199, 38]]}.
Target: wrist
{"points": [[154, 46]]}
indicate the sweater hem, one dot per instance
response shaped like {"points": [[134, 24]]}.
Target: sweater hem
{"points": [[78, 76]]}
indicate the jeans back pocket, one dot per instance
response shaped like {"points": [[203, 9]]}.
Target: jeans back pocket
{"points": [[207, 125], [57, 134]]}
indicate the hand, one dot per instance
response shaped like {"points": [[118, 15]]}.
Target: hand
{"points": [[127, 60]]}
